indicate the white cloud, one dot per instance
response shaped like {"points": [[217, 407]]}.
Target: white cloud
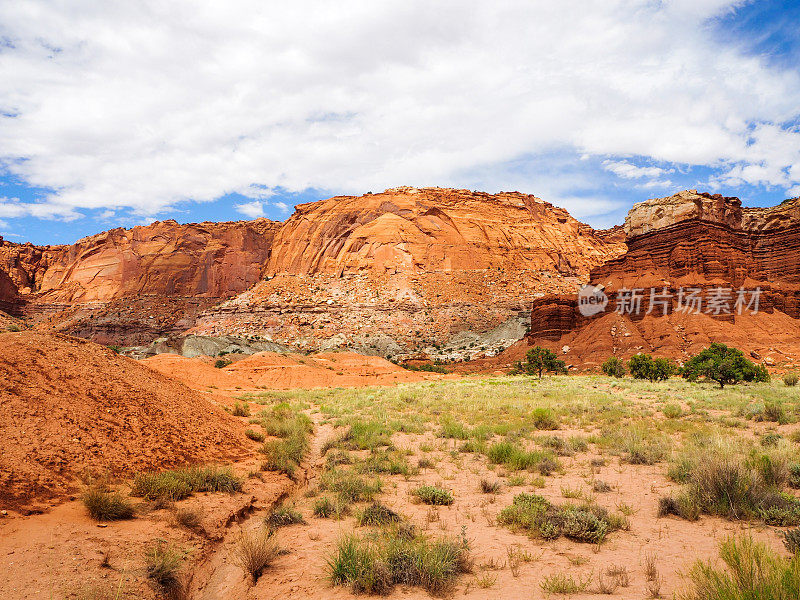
{"points": [[627, 170], [146, 105], [253, 209]]}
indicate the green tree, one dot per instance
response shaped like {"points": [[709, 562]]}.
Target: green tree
{"points": [[538, 360], [614, 367], [644, 366], [723, 364]]}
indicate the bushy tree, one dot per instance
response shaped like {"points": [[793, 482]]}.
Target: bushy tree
{"points": [[644, 366], [614, 367], [724, 365], [538, 360]]}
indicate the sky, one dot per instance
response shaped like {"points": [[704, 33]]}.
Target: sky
{"points": [[121, 113]]}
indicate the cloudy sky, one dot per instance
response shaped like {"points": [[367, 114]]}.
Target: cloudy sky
{"points": [[119, 113]]}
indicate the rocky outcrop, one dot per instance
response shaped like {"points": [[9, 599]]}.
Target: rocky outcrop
{"points": [[165, 258], [401, 270], [411, 269], [8, 293], [699, 239], [689, 240], [434, 230]]}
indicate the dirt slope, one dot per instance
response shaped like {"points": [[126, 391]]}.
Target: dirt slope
{"points": [[70, 407], [329, 369]]}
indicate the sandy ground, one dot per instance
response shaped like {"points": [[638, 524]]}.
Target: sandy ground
{"points": [[60, 554], [287, 371]]}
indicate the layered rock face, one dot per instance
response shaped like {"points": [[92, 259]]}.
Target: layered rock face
{"points": [[410, 269], [8, 293], [391, 273], [434, 230], [165, 258], [170, 271], [689, 241]]}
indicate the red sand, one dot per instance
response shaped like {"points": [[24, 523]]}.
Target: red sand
{"points": [[70, 408]]}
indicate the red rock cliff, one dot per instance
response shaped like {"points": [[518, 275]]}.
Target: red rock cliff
{"points": [[689, 240], [165, 259], [435, 230]]}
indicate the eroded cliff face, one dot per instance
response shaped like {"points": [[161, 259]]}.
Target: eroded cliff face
{"points": [[434, 230], [410, 269], [8, 293], [689, 240], [203, 259], [130, 285]]}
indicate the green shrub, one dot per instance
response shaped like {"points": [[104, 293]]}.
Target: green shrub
{"points": [[538, 360], [536, 515], [107, 506], [753, 571], [430, 494], [672, 411], [791, 539], [791, 379], [724, 365], [221, 362], [178, 484], [614, 367], [545, 419], [643, 366], [254, 435]]}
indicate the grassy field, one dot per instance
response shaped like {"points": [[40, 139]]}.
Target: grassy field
{"points": [[611, 486]]}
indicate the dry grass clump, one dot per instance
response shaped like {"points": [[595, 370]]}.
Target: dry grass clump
{"points": [[255, 551], [293, 428], [490, 487], [562, 583], [190, 518], [375, 564], [241, 409], [431, 494], [325, 508], [104, 505], [536, 515], [283, 516], [720, 482], [516, 458], [164, 564], [178, 484], [377, 514], [753, 570], [254, 435], [391, 462], [350, 487], [791, 379]]}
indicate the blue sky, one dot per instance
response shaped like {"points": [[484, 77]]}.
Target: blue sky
{"points": [[120, 115]]}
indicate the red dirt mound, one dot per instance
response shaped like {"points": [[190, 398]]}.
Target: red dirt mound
{"points": [[195, 372], [329, 369], [69, 407]]}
